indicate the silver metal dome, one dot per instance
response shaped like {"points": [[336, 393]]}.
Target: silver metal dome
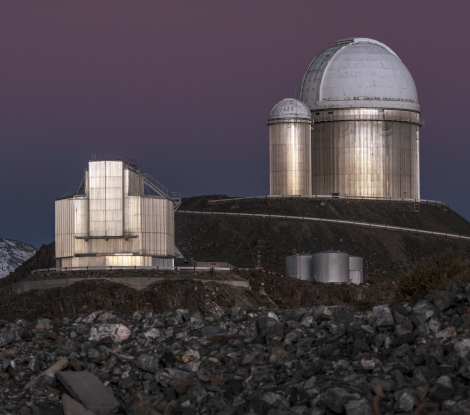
{"points": [[290, 108], [358, 73]]}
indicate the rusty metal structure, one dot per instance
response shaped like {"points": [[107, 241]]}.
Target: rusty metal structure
{"points": [[117, 216]]}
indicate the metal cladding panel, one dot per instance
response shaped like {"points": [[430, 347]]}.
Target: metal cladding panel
{"points": [[133, 222], [330, 267], [114, 198], [64, 228], [157, 227], [163, 262], [290, 162], [356, 264], [87, 183], [64, 262], [133, 184], [110, 246], [106, 209], [82, 226], [299, 266], [365, 157], [127, 260], [81, 216], [97, 197], [108, 260]]}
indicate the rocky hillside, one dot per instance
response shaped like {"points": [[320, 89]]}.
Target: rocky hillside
{"points": [[411, 357], [13, 254], [184, 289], [387, 254]]}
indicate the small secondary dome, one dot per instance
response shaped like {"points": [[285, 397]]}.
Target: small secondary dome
{"points": [[358, 73], [290, 108]]}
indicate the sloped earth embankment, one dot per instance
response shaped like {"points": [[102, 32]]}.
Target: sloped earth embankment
{"points": [[387, 254], [186, 290], [406, 358]]}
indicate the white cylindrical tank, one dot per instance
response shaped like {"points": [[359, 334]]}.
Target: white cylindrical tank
{"points": [[356, 275], [290, 149], [299, 266], [330, 266]]}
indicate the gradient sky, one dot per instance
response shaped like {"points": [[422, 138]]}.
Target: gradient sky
{"points": [[186, 87]]}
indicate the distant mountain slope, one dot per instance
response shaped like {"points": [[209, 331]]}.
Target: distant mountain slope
{"points": [[43, 258], [13, 254]]}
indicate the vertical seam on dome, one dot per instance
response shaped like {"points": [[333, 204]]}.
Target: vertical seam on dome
{"points": [[311, 63], [318, 100]]}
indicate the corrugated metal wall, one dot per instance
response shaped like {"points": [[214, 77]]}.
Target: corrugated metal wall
{"points": [[109, 260], [290, 158], [366, 158], [133, 184], [157, 227], [114, 198], [97, 197], [64, 228]]}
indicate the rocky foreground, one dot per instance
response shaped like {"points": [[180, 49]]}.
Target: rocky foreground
{"points": [[398, 358]]}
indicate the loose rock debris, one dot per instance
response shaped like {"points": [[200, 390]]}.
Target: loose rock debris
{"points": [[397, 358]]}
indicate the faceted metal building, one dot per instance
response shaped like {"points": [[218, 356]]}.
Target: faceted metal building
{"points": [[364, 103], [114, 223], [290, 164]]}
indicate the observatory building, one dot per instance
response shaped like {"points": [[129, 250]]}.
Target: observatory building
{"points": [[109, 220], [290, 148], [365, 119]]}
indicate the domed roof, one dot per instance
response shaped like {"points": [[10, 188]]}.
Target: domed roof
{"points": [[290, 108], [358, 72]]}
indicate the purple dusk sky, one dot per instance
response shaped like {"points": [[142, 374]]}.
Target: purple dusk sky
{"points": [[186, 87]]}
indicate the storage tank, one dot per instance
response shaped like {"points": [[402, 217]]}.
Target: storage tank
{"points": [[299, 266], [365, 107], [330, 266], [356, 270], [290, 166]]}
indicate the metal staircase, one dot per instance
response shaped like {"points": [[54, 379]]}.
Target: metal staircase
{"points": [[153, 184]]}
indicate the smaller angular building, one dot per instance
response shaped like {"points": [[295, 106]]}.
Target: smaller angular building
{"points": [[290, 143], [113, 222]]}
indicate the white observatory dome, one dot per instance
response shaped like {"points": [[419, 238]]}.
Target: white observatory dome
{"points": [[290, 108], [357, 73]]}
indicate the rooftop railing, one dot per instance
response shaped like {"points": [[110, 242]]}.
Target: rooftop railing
{"points": [[365, 117]]}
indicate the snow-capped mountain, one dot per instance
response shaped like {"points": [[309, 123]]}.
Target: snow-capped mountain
{"points": [[13, 254]]}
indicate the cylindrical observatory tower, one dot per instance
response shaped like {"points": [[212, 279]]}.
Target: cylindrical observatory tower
{"points": [[364, 103], [290, 148]]}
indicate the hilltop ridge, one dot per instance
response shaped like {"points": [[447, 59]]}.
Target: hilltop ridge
{"points": [[385, 252]]}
